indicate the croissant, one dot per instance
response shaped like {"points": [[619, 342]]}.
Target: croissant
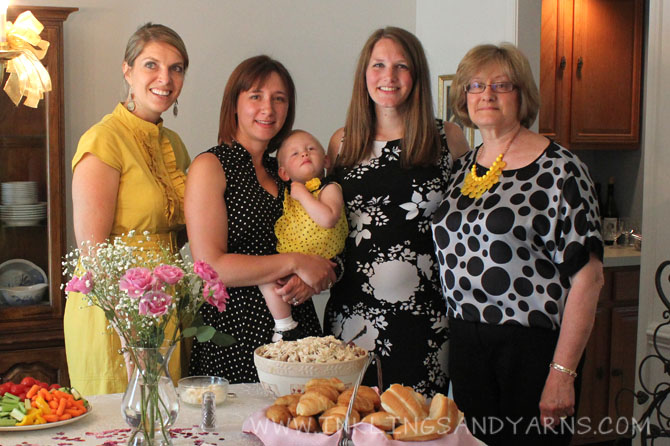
{"points": [[404, 403], [287, 399], [293, 407], [304, 424], [362, 403], [312, 403], [328, 391], [333, 382], [381, 420], [355, 417], [332, 420], [278, 414], [371, 394], [421, 430]]}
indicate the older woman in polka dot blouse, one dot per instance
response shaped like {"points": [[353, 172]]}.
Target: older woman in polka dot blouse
{"points": [[518, 242]]}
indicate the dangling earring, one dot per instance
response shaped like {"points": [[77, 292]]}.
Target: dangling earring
{"points": [[175, 108], [130, 104]]}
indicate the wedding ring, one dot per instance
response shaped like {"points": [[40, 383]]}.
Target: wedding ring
{"points": [[294, 301], [329, 284]]}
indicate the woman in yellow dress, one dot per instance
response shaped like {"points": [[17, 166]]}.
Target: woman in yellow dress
{"points": [[128, 173]]}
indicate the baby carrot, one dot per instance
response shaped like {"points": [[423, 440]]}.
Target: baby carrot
{"points": [[53, 404], [65, 416], [74, 412], [61, 406], [52, 418], [33, 391], [45, 394]]}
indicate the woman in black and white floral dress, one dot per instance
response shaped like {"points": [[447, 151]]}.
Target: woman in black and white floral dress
{"points": [[392, 164]]}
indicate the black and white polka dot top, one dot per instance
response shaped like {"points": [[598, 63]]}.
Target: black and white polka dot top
{"points": [[508, 256]]}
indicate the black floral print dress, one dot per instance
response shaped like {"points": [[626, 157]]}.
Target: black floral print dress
{"points": [[389, 299], [252, 213]]}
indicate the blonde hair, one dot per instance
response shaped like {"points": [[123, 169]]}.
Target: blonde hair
{"points": [[516, 67], [291, 133], [254, 71], [421, 138]]}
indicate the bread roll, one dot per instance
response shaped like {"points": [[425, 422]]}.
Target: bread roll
{"points": [[404, 403], [445, 411], [304, 424], [312, 403], [278, 414], [328, 391], [333, 382], [362, 403], [381, 420], [421, 430], [439, 407], [287, 399]]}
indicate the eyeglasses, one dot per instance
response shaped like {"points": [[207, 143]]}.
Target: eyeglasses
{"points": [[496, 87]]}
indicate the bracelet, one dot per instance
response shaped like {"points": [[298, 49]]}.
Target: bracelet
{"points": [[560, 368]]}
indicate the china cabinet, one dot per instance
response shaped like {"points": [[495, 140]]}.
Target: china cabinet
{"points": [[32, 149], [610, 359], [591, 72]]}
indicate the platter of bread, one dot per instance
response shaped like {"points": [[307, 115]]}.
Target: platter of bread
{"points": [[396, 416]]}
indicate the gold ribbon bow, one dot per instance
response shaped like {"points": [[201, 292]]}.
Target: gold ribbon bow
{"points": [[27, 75]]}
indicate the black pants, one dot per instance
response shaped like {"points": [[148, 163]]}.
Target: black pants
{"points": [[497, 374]]}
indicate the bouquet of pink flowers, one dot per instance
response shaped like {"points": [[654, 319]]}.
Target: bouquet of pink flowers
{"points": [[142, 290]]}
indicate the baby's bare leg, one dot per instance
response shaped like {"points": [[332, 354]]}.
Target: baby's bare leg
{"points": [[278, 308]]}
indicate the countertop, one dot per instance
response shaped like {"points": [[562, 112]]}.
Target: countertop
{"points": [[621, 256]]}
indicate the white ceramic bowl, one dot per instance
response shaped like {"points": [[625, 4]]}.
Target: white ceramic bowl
{"points": [[192, 388], [24, 295], [282, 378]]}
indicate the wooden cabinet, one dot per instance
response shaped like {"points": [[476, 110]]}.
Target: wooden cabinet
{"points": [[32, 149], [591, 72], [610, 359]]}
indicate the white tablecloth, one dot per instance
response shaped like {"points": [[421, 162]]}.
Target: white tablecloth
{"points": [[104, 426]]}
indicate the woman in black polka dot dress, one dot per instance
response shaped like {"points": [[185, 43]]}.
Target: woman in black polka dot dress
{"points": [[389, 299], [520, 254], [233, 199]]}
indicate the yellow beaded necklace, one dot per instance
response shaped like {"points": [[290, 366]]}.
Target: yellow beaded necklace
{"points": [[475, 186]]}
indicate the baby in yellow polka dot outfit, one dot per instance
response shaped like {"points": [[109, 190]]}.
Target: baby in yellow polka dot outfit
{"points": [[313, 221]]}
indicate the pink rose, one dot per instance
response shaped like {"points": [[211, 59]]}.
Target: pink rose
{"points": [[137, 281], [216, 294], [82, 284], [205, 271], [155, 303], [168, 274]]}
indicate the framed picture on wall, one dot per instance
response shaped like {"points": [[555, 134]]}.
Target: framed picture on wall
{"points": [[444, 106]]}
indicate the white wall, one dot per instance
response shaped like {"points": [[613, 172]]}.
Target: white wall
{"points": [[656, 209], [318, 41], [449, 28]]}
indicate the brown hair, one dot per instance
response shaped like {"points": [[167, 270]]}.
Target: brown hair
{"points": [[251, 72], [421, 139], [150, 32], [516, 67]]}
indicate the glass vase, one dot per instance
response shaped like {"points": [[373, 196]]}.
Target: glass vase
{"points": [[150, 404]]}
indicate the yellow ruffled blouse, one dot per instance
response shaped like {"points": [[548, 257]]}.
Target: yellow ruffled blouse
{"points": [[151, 160]]}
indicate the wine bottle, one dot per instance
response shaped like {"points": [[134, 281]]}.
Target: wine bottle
{"points": [[610, 215]]}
